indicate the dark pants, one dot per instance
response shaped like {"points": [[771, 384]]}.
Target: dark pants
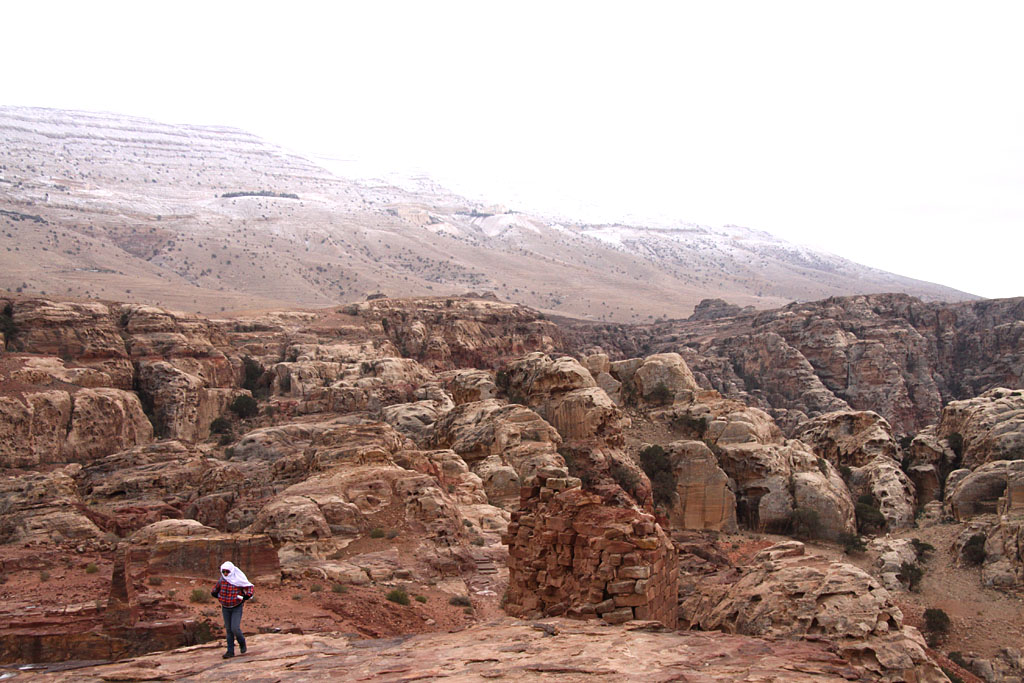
{"points": [[233, 625]]}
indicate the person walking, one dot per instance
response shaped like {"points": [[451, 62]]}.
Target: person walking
{"points": [[233, 589]]}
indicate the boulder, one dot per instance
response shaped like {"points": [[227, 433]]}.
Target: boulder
{"points": [[663, 378], [468, 386]]}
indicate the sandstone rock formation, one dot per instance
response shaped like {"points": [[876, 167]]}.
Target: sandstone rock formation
{"points": [[991, 426], [703, 499], [503, 444], [787, 592], [852, 438]]}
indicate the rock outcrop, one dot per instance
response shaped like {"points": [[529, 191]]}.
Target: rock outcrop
{"points": [[788, 593], [990, 426], [703, 499]]}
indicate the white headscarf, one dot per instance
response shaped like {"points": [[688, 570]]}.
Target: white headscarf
{"points": [[235, 575]]}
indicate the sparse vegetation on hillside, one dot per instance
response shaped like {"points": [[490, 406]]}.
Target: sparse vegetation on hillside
{"points": [[260, 193]]}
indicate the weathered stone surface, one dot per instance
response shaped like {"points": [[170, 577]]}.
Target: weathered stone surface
{"points": [[703, 499], [991, 426], [773, 480], [890, 486], [57, 426], [890, 353], [972, 493], [497, 440], [787, 593], [444, 334], [186, 548], [663, 375], [849, 438], [183, 404], [578, 651], [43, 509], [468, 386]]}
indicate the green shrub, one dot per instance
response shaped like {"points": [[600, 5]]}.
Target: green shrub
{"points": [[694, 426], [805, 523], [44, 576], [460, 601], [468, 524], [155, 581], [852, 543], [398, 595], [937, 621], [911, 574], [921, 548], [377, 532], [340, 589], [660, 395], [624, 476], [823, 467], [200, 595], [956, 444], [421, 598], [315, 588], [477, 540], [953, 678], [253, 372], [245, 406], [845, 472], [297, 597], [91, 568], [658, 467], [869, 516], [974, 550], [957, 658], [220, 425]]}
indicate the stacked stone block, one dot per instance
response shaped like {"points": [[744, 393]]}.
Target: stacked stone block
{"points": [[571, 555]]}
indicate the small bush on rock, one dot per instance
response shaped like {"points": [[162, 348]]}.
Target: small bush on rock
{"points": [[922, 548], [91, 568], [911, 574], [398, 595], [199, 595], [974, 550], [460, 601], [245, 407], [220, 425], [806, 523], [937, 621], [852, 543]]}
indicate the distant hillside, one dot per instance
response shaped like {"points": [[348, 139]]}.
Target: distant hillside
{"points": [[210, 219]]}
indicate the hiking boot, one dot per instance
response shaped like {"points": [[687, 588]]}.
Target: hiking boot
{"points": [[227, 655], [243, 649]]}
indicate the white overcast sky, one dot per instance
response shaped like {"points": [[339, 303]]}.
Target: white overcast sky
{"points": [[891, 133]]}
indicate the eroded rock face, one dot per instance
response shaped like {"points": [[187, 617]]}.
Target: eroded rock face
{"points": [[662, 378], [991, 426], [571, 555], [978, 492], [44, 509], [849, 438], [183, 404], [890, 353], [58, 426], [890, 487], [786, 592], [703, 499], [503, 444], [460, 332]]}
